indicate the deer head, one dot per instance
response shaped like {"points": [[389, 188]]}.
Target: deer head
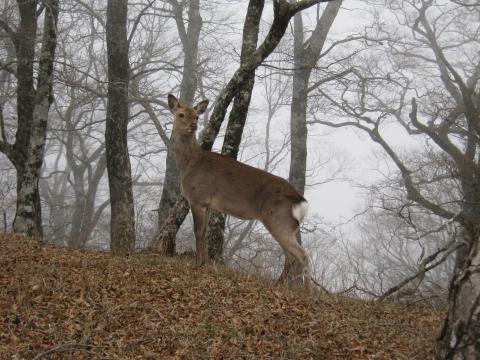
{"points": [[186, 118]]}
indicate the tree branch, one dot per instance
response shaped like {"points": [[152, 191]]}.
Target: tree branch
{"points": [[303, 4], [447, 250], [178, 17], [412, 192], [137, 21], [92, 12], [12, 34], [148, 108], [329, 78], [5, 146], [462, 161], [283, 12]]}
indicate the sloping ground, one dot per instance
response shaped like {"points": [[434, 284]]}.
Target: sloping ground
{"points": [[57, 303]]}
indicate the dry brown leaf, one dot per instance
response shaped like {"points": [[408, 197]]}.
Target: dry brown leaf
{"points": [[148, 307]]}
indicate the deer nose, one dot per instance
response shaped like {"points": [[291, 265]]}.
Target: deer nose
{"points": [[193, 127]]}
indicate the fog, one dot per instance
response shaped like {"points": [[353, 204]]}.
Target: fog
{"points": [[363, 144]]}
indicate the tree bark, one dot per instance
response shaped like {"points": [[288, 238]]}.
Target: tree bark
{"points": [[236, 120], [171, 187], [306, 54], [460, 337], [33, 106], [305, 57], [170, 227], [298, 109], [122, 224], [84, 216]]}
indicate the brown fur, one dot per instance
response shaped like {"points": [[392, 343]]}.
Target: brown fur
{"points": [[214, 181]]}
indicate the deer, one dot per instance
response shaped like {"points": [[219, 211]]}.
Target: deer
{"points": [[209, 180]]}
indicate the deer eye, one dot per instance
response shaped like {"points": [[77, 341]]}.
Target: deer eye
{"points": [[181, 115]]}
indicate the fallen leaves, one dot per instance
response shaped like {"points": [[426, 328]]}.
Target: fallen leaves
{"points": [[57, 303]]}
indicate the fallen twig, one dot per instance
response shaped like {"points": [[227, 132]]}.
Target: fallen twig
{"points": [[66, 347]]}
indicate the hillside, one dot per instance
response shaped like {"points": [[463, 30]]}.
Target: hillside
{"points": [[57, 303]]}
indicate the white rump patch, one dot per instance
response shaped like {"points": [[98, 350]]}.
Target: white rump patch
{"points": [[300, 210]]}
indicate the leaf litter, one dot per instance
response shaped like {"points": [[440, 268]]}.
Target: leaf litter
{"points": [[59, 303]]}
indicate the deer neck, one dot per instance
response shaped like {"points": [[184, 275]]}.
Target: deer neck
{"points": [[186, 150]]}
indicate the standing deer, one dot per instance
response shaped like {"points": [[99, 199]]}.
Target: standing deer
{"points": [[214, 181]]}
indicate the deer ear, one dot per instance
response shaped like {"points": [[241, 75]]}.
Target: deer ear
{"points": [[201, 107], [173, 103]]}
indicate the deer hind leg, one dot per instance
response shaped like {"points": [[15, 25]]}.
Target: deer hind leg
{"points": [[200, 218], [284, 229], [298, 253], [291, 269]]}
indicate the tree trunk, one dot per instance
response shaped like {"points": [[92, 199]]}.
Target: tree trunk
{"points": [[26, 217], [171, 187], [54, 197], [306, 54], [215, 235], [298, 110], [87, 170], [298, 130], [305, 57], [32, 107], [170, 227], [460, 337], [84, 216], [122, 224], [236, 120]]}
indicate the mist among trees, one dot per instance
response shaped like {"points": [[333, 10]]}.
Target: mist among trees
{"points": [[87, 152]]}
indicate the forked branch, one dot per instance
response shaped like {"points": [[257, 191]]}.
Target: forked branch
{"points": [[447, 250], [283, 12]]}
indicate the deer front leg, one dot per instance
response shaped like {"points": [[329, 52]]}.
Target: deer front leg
{"points": [[199, 226]]}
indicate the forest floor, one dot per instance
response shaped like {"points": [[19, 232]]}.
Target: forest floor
{"points": [[58, 303]]}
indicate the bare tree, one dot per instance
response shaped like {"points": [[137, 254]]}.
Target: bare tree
{"points": [[399, 241], [33, 104], [73, 186], [430, 59], [189, 37], [122, 225], [305, 57]]}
